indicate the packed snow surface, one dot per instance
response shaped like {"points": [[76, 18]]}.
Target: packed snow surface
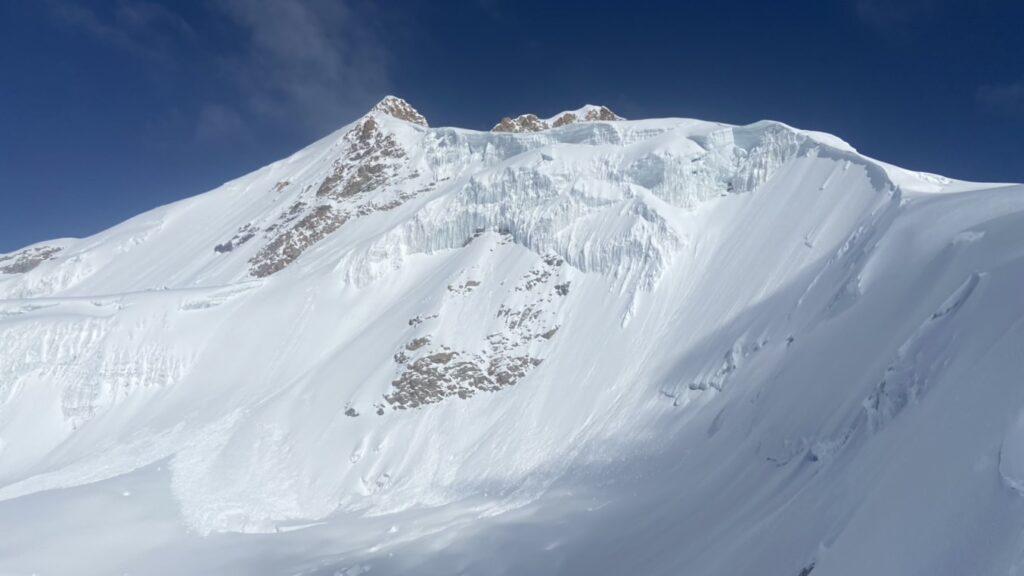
{"points": [[593, 346]]}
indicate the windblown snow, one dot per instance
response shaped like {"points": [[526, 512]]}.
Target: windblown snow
{"points": [[572, 345]]}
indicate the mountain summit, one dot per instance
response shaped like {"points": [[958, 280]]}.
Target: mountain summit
{"points": [[398, 108], [531, 123], [576, 344]]}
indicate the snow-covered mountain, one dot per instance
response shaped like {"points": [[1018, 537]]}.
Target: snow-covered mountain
{"points": [[573, 345]]}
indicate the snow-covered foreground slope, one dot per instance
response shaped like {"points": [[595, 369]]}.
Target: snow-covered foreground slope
{"points": [[606, 347]]}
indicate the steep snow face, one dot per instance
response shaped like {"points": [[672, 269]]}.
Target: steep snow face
{"points": [[726, 349]]}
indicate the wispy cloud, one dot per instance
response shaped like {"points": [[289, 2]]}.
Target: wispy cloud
{"points": [[312, 62], [1007, 99], [144, 29], [892, 16], [303, 65], [217, 123]]}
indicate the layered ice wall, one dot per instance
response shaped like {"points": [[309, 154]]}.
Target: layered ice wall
{"points": [[598, 181]]}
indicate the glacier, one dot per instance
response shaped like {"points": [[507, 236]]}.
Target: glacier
{"points": [[571, 345]]}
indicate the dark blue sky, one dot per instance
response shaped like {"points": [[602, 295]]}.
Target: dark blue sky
{"points": [[110, 108]]}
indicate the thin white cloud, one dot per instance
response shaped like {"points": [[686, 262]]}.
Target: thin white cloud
{"points": [[1005, 99], [142, 28], [313, 62], [897, 17], [218, 122], [304, 65]]}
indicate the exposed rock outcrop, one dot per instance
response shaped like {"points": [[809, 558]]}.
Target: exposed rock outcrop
{"points": [[532, 123], [431, 372], [586, 114], [372, 158], [27, 259], [522, 123], [398, 108]]}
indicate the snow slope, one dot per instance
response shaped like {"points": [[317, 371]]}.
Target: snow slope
{"points": [[655, 346]]}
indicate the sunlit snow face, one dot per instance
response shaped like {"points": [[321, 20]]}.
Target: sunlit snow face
{"points": [[404, 339]]}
